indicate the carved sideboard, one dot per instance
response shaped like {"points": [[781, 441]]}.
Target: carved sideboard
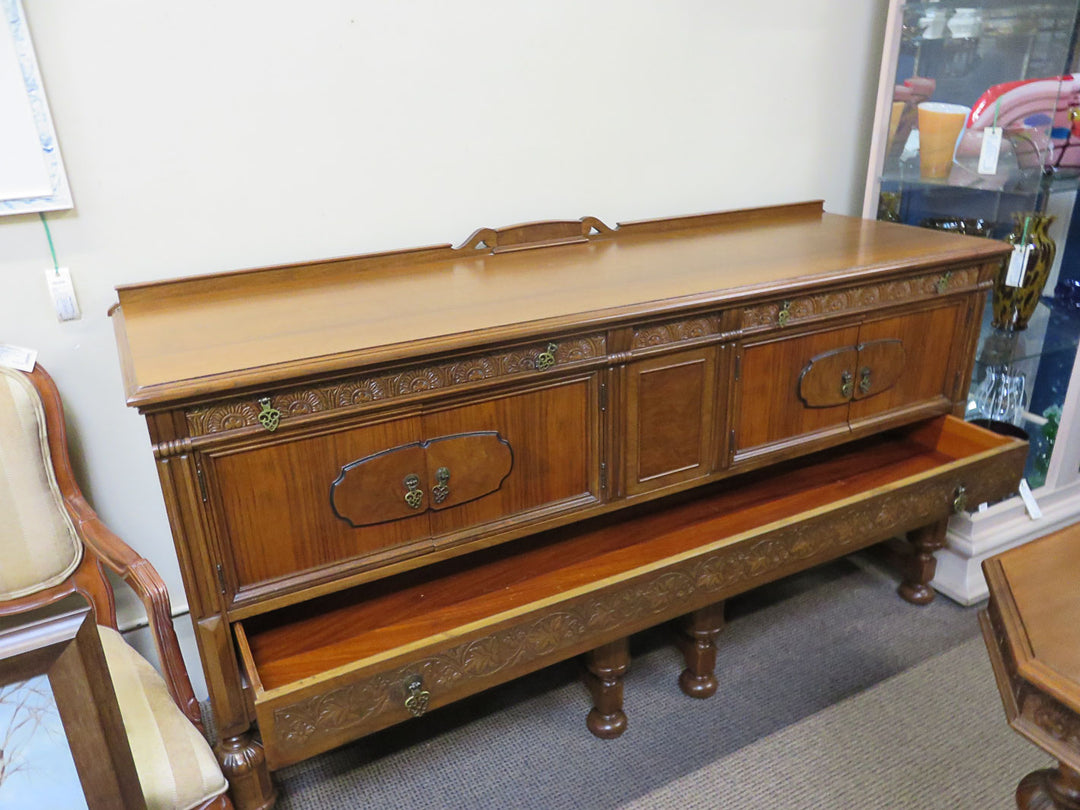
{"points": [[399, 479]]}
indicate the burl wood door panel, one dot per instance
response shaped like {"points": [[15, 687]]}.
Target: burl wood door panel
{"points": [[772, 411], [274, 501], [907, 361], [670, 417], [553, 433]]}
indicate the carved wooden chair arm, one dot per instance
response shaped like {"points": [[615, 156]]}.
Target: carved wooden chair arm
{"points": [[144, 580]]}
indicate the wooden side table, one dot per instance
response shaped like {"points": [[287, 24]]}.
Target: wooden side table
{"points": [[1032, 632]]}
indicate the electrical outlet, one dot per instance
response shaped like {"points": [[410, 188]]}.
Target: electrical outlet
{"points": [[62, 293]]}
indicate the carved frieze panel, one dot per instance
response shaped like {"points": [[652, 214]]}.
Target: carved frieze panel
{"points": [[853, 299], [356, 391], [678, 331]]}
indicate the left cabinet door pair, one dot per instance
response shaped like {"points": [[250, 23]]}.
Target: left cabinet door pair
{"points": [[372, 493]]}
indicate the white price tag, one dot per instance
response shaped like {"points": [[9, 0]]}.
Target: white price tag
{"points": [[1017, 265], [62, 293], [991, 148], [1029, 500], [17, 357]]}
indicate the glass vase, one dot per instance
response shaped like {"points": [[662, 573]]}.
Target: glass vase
{"points": [[1014, 306]]}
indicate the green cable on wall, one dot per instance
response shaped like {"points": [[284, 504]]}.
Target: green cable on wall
{"points": [[48, 235]]}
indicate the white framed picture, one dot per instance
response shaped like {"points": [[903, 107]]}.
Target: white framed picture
{"points": [[32, 176]]}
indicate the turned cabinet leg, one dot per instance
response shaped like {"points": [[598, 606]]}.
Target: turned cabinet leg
{"points": [[605, 667], [244, 765], [697, 640], [1050, 789], [920, 566]]}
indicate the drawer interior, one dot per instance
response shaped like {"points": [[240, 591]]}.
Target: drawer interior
{"points": [[408, 611]]}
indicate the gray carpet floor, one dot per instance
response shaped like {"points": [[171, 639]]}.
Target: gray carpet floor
{"points": [[834, 693]]}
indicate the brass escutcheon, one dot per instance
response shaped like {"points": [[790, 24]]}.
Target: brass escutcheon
{"points": [[546, 358], [441, 490], [959, 503], [865, 383], [942, 283], [847, 384], [414, 496], [785, 313], [417, 698], [269, 416]]}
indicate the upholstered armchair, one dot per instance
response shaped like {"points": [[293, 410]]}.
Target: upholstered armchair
{"points": [[53, 545]]}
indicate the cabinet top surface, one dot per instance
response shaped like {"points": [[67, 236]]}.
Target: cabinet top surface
{"points": [[198, 336], [1042, 581]]}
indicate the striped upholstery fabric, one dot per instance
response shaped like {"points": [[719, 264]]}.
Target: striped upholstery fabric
{"points": [[177, 769], [38, 544]]}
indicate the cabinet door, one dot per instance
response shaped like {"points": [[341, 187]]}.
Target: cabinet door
{"points": [[552, 434], [273, 500], [791, 390], [670, 416], [907, 362]]}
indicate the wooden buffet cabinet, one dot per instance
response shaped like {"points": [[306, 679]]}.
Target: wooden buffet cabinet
{"points": [[399, 479]]}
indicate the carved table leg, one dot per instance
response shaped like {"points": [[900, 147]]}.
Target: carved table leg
{"points": [[1050, 789], [697, 640], [244, 765], [921, 564], [605, 669]]}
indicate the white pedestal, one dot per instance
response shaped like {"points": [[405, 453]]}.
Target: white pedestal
{"points": [[974, 537]]}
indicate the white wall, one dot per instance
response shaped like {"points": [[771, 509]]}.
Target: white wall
{"points": [[205, 136]]}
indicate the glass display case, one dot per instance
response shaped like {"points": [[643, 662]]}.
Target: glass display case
{"points": [[977, 131]]}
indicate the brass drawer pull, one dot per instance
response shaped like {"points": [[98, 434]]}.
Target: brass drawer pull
{"points": [[546, 358], [959, 503], [847, 384], [269, 416], [414, 496], [865, 383], [942, 283], [785, 313], [417, 698], [441, 490]]}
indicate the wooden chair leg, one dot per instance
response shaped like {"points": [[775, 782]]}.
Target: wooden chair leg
{"points": [[605, 668], [1050, 789], [920, 566], [697, 640], [244, 765]]}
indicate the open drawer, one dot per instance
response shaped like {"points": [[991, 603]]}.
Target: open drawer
{"points": [[341, 666]]}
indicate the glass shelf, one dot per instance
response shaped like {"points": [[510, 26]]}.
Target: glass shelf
{"points": [[1022, 377]]}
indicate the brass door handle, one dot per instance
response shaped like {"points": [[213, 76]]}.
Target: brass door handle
{"points": [[414, 496], [847, 384], [546, 358], [417, 697], [865, 383], [441, 491], [942, 283], [784, 314], [269, 417]]}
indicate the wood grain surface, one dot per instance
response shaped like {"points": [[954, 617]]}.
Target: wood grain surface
{"points": [[195, 336]]}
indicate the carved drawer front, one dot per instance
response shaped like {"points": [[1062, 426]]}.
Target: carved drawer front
{"points": [[336, 668], [671, 407], [814, 306], [396, 384]]}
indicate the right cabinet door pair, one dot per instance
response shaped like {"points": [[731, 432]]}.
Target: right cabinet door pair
{"points": [[816, 384]]}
